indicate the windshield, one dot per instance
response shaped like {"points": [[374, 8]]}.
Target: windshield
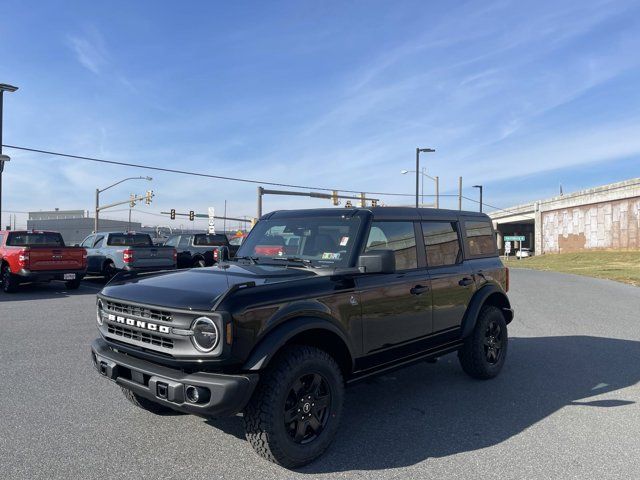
{"points": [[35, 239], [320, 241]]}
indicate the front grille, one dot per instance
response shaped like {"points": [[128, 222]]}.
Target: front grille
{"points": [[136, 311], [144, 337]]}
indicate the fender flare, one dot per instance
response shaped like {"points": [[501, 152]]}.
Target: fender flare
{"points": [[477, 302], [276, 338]]}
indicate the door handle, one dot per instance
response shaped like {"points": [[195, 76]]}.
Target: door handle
{"points": [[465, 282], [419, 289]]}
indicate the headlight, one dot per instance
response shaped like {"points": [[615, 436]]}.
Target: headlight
{"points": [[99, 309], [205, 334]]}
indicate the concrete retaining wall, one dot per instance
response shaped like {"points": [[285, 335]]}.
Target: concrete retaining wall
{"points": [[606, 225]]}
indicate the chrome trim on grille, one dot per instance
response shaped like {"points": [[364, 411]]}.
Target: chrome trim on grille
{"points": [[157, 340], [137, 311]]}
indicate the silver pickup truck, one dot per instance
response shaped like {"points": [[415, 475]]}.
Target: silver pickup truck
{"points": [[111, 252]]}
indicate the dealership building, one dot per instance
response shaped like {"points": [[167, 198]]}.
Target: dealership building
{"points": [[605, 217]]}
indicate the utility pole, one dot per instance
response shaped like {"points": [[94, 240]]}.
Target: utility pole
{"points": [[224, 222], [437, 191], [260, 193], [480, 188], [459, 193], [3, 158], [418, 150]]}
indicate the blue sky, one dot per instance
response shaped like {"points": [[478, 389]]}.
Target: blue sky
{"points": [[518, 96]]}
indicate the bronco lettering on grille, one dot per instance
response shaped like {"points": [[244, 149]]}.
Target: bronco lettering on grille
{"points": [[154, 327]]}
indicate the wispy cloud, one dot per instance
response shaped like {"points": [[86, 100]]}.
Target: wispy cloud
{"points": [[90, 50]]}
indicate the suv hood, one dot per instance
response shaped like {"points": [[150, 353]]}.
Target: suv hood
{"points": [[197, 288]]}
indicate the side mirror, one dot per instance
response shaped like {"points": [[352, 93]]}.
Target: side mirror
{"points": [[377, 261], [76, 244]]}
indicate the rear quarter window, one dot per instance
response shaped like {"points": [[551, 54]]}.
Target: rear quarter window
{"points": [[479, 238]]}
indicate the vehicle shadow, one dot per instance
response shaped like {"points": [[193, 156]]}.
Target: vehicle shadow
{"points": [[39, 291], [426, 411]]}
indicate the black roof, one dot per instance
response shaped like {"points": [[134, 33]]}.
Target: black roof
{"points": [[380, 213]]}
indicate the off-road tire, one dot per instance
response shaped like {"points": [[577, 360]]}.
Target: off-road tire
{"points": [[146, 404], [9, 281], [264, 416], [73, 284], [474, 355]]}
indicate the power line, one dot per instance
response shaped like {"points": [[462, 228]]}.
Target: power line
{"points": [[196, 174]]}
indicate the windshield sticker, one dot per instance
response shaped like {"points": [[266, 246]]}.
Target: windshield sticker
{"points": [[344, 241], [330, 256]]}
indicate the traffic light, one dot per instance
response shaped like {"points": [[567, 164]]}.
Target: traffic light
{"points": [[132, 200], [334, 198], [348, 204], [172, 215], [148, 197], [374, 202], [192, 215]]}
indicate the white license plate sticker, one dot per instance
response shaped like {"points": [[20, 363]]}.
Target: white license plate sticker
{"points": [[69, 276]]}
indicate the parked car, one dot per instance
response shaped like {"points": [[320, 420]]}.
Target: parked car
{"points": [[524, 252], [200, 249], [111, 252], [278, 333], [37, 256]]}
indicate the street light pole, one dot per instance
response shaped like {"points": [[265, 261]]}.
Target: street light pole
{"points": [[418, 150], [99, 191], [3, 158], [480, 188]]}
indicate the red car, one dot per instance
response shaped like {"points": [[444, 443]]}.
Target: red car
{"points": [[36, 256]]}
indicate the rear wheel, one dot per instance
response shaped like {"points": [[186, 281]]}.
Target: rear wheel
{"points": [[145, 403], [295, 411], [109, 270], [9, 281], [199, 263], [485, 350], [73, 284]]}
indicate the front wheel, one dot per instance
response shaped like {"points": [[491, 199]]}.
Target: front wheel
{"points": [[295, 411], [9, 281], [485, 350]]}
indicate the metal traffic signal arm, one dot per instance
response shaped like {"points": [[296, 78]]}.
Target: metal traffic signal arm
{"points": [[173, 214], [132, 201], [334, 196]]}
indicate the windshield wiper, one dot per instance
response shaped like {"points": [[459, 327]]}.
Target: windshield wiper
{"points": [[305, 261], [252, 260]]}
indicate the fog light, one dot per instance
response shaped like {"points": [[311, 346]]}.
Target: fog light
{"points": [[196, 394]]}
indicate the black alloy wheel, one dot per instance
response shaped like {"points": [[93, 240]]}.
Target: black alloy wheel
{"points": [[493, 342], [307, 408], [484, 352], [9, 283]]}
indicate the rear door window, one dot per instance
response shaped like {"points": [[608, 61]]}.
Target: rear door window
{"points": [[88, 242], [184, 241], [397, 236], [479, 238], [442, 243]]}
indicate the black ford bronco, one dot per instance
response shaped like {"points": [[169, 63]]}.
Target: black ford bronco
{"points": [[314, 300]]}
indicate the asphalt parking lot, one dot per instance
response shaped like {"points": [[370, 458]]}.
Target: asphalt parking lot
{"points": [[566, 405]]}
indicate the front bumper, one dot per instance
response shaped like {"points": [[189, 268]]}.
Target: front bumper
{"points": [[48, 275], [228, 393]]}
